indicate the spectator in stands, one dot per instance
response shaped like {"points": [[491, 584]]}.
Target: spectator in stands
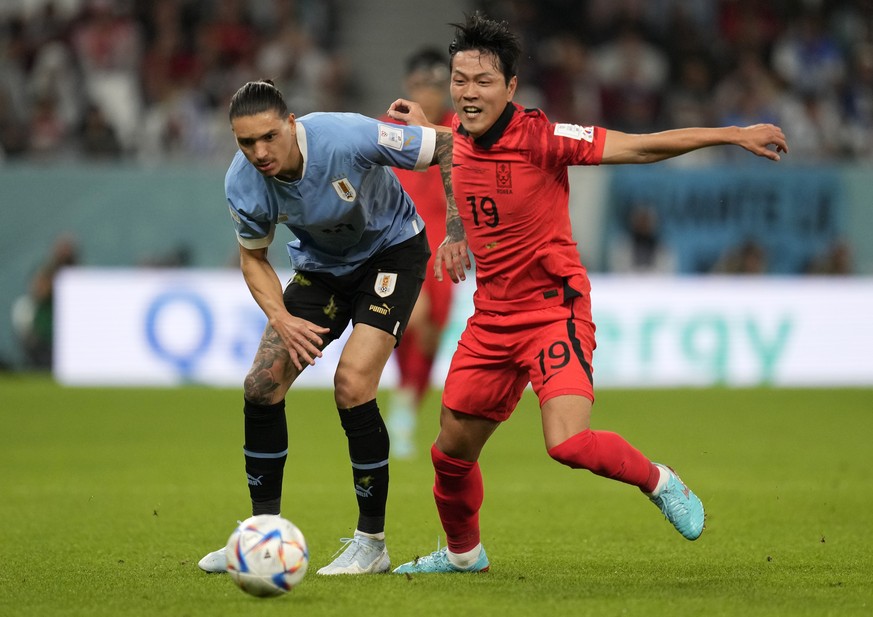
{"points": [[570, 85], [32, 313], [640, 249], [97, 138], [634, 74], [108, 48], [857, 102], [808, 58], [750, 257], [836, 259]]}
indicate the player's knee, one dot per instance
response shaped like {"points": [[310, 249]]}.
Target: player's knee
{"points": [[575, 452], [265, 386], [563, 458], [258, 390], [352, 388]]}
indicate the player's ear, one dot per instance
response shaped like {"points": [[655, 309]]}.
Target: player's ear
{"points": [[510, 87]]}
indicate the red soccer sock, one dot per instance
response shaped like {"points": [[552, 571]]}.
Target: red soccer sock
{"points": [[458, 492], [609, 455]]}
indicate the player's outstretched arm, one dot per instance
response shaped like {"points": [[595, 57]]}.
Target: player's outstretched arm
{"points": [[765, 140]]}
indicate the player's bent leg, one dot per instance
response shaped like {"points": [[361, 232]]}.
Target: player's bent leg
{"points": [[443, 561], [678, 504], [362, 554]]}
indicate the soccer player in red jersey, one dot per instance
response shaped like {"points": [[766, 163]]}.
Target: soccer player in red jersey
{"points": [[426, 82], [532, 318]]}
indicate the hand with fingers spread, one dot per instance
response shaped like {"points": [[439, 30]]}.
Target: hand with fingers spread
{"points": [[302, 338]]}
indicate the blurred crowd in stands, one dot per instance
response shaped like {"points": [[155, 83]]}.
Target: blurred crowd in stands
{"points": [[150, 80], [645, 65]]}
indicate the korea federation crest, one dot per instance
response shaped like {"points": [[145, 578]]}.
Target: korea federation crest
{"points": [[345, 189], [385, 282]]}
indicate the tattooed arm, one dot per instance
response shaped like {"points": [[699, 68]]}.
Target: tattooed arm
{"points": [[452, 253], [300, 337]]}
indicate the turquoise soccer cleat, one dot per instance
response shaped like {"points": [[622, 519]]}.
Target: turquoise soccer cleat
{"points": [[438, 563], [680, 506]]}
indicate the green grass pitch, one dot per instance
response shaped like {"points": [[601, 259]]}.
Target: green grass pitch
{"points": [[110, 496]]}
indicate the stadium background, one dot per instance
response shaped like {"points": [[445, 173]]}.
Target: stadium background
{"points": [[114, 134], [111, 495]]}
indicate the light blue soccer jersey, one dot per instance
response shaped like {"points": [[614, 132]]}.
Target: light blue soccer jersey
{"points": [[347, 206]]}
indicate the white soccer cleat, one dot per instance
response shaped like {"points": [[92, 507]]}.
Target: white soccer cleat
{"points": [[215, 562], [362, 555]]}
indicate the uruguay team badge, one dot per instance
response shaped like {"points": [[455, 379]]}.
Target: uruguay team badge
{"points": [[344, 189], [385, 283]]}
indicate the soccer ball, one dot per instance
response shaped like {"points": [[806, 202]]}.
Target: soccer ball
{"points": [[267, 555]]}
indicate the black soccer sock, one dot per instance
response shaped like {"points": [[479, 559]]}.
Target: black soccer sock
{"points": [[265, 450], [368, 451]]}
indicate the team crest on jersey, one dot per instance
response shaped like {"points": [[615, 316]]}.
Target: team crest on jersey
{"points": [[391, 136], [385, 283], [504, 177], [574, 131], [344, 189]]}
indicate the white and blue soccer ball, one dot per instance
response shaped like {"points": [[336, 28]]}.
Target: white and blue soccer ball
{"points": [[267, 555]]}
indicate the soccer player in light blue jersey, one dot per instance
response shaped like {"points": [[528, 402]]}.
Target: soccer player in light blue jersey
{"points": [[359, 256]]}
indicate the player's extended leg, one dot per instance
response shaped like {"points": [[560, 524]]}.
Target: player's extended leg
{"points": [[570, 440], [356, 381], [458, 492], [266, 432]]}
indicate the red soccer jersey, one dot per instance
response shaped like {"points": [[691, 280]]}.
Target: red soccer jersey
{"points": [[512, 192]]}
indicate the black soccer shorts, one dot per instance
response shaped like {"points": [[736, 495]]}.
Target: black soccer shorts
{"points": [[380, 293]]}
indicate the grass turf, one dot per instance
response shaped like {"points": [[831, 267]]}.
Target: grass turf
{"points": [[110, 496]]}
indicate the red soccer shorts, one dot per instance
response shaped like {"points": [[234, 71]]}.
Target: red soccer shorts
{"points": [[499, 355]]}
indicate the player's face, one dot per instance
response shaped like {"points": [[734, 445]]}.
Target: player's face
{"points": [[268, 141], [479, 91]]}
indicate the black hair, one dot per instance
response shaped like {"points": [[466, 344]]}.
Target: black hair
{"points": [[426, 59], [488, 36], [256, 97]]}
